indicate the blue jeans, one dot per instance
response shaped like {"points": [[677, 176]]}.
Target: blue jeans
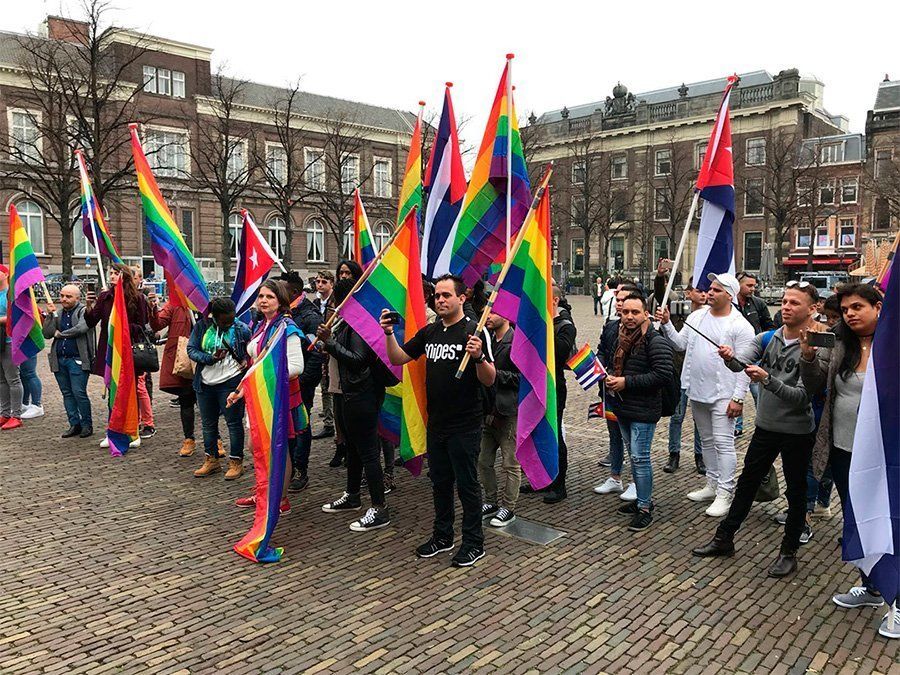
{"points": [[616, 448], [639, 436], [31, 383], [72, 381], [212, 401], [818, 491], [676, 421], [754, 392]]}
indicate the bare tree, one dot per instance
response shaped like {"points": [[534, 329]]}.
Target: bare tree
{"points": [[817, 194], [881, 178], [672, 189]]}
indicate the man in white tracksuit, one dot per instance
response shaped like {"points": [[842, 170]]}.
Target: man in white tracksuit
{"points": [[715, 392]]}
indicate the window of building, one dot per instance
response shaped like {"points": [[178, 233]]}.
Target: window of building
{"points": [[236, 168], [276, 162], [823, 239], [660, 247], [382, 235], [883, 163], [752, 250], [314, 162], [881, 214], [619, 167], [579, 217], [803, 237], [578, 172], [826, 193], [831, 153], [150, 79], [381, 173], [661, 209], [163, 81], [753, 197], [700, 154], [177, 84], [24, 136], [619, 206], [33, 220], [167, 152], [315, 241], [756, 151], [276, 230], [847, 233], [235, 225], [348, 241], [849, 190], [576, 260], [617, 252], [80, 244], [804, 193], [187, 228], [663, 162], [349, 173]]}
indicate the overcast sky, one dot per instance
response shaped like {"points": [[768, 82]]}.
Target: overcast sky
{"points": [[395, 52]]}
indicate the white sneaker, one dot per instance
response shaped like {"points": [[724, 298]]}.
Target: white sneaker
{"points": [[30, 411], [136, 443], [885, 630], [105, 442], [630, 494], [823, 512], [719, 507], [609, 486], [705, 494]]}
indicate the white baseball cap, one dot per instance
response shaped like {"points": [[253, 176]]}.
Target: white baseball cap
{"points": [[728, 281]]}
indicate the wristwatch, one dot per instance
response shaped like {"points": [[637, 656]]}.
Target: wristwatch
{"points": [[766, 381], [481, 359], [737, 400]]}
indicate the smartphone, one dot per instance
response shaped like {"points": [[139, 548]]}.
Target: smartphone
{"points": [[393, 317], [823, 339]]}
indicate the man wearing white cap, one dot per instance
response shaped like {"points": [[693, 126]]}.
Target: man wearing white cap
{"points": [[715, 392]]}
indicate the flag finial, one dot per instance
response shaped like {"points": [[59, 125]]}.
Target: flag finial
{"points": [[449, 84], [510, 56]]}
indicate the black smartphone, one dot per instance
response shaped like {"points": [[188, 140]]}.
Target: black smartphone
{"points": [[393, 317], [823, 339]]}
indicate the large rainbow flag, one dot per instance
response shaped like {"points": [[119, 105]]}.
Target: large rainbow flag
{"points": [[122, 428], [411, 187], [395, 283], [267, 396], [23, 320], [526, 298], [169, 249], [92, 216], [479, 236], [363, 245]]}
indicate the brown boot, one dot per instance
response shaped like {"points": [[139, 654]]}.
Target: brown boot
{"points": [[220, 450], [210, 465], [187, 447], [235, 469]]}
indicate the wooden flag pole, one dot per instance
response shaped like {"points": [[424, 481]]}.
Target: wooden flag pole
{"points": [[46, 292], [684, 236], [81, 167], [542, 187]]}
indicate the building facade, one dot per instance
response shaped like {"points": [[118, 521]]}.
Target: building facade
{"points": [[883, 157]]}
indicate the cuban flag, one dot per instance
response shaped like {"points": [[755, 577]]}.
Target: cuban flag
{"points": [[872, 512], [254, 262], [445, 188], [715, 242]]}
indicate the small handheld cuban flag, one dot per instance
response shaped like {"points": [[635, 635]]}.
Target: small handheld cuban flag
{"points": [[599, 410], [587, 367]]}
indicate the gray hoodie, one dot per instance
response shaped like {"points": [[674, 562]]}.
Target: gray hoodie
{"points": [[784, 404]]}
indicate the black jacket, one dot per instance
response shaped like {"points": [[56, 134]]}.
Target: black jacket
{"points": [[607, 335], [506, 386], [353, 356], [756, 312], [308, 318], [564, 332], [647, 370]]}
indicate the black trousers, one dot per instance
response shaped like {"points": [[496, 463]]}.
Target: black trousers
{"points": [[765, 446], [559, 483], [840, 474], [453, 457], [358, 413], [187, 399]]}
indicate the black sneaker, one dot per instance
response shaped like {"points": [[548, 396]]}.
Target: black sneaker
{"points": [[148, 432], [346, 502], [641, 521], [86, 432], [72, 432], [606, 461], [374, 519], [389, 485], [298, 483], [701, 466], [627, 509], [806, 535], [467, 556], [432, 547], [174, 403], [503, 518], [488, 510]]}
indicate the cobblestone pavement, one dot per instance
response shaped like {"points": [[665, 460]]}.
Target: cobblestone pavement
{"points": [[125, 566]]}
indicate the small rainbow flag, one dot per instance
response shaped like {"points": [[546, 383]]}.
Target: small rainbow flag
{"points": [[526, 298], [395, 283], [23, 324], [363, 246], [169, 249], [587, 367], [267, 397], [479, 234], [122, 428], [92, 215], [411, 187], [599, 410]]}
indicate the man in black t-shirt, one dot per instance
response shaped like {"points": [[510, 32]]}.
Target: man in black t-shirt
{"points": [[455, 414]]}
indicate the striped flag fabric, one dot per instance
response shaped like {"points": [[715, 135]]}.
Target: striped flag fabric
{"points": [[411, 187], [267, 397], [872, 512], [23, 320], [598, 410], [445, 188], [587, 367], [92, 218], [479, 236], [254, 262], [715, 182], [363, 245], [120, 378], [169, 249], [526, 298], [395, 283]]}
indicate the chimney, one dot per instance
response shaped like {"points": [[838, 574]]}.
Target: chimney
{"points": [[67, 30]]}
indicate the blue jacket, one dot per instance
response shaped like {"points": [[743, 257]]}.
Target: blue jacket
{"points": [[201, 358]]}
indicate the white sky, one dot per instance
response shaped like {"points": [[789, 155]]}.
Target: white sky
{"points": [[396, 52]]}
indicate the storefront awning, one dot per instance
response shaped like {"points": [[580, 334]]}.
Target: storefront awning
{"points": [[819, 262]]}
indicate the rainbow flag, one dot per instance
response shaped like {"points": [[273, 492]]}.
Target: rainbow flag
{"points": [[411, 187], [526, 298], [599, 410], [122, 428], [363, 246], [267, 397], [587, 367], [169, 249], [479, 234], [389, 415], [92, 216], [23, 320], [395, 283]]}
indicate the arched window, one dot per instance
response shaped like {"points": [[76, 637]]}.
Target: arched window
{"points": [[276, 229], [80, 244], [315, 241], [33, 219], [347, 248], [235, 224], [382, 234]]}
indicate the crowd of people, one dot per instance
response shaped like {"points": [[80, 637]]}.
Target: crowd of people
{"points": [[706, 351]]}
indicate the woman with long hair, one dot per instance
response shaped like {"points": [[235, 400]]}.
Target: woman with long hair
{"points": [[840, 372]]}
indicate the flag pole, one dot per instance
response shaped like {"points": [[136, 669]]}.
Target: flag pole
{"points": [[677, 260], [82, 169], [538, 195], [509, 113]]}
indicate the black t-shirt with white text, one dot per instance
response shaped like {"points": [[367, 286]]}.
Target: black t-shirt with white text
{"points": [[453, 405]]}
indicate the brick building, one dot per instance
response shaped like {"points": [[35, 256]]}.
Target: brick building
{"points": [[175, 103], [883, 144]]}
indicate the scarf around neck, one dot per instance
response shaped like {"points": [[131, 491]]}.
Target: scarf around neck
{"points": [[629, 340]]}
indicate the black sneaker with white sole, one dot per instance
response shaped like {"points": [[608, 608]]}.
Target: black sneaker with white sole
{"points": [[467, 556], [148, 432], [488, 510], [346, 502], [806, 535], [641, 521], [432, 547], [503, 517], [627, 509], [375, 518]]}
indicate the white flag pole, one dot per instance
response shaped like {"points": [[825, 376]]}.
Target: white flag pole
{"points": [[677, 260], [509, 114], [82, 170]]}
